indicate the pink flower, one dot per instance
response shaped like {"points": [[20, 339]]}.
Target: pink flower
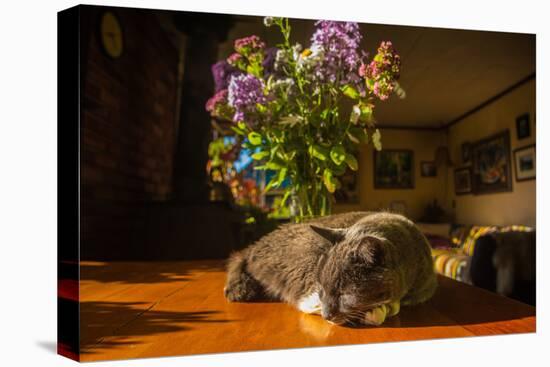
{"points": [[249, 44]]}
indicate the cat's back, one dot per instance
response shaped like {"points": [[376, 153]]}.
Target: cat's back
{"points": [[297, 239], [399, 230]]}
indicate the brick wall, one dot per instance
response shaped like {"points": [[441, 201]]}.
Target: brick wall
{"points": [[128, 109]]}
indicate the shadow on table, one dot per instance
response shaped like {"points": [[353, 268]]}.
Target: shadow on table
{"points": [[108, 325], [455, 303], [142, 272]]}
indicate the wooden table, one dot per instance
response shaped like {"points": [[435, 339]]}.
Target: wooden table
{"points": [[135, 310]]}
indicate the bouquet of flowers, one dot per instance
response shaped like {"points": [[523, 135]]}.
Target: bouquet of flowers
{"points": [[286, 104]]}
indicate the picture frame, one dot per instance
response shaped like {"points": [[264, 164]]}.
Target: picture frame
{"points": [[491, 171], [428, 169], [525, 163], [394, 169], [466, 152], [523, 127], [463, 181]]}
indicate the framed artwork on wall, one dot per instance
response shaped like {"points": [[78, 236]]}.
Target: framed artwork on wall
{"points": [[523, 129], [491, 164], [394, 169], [428, 169], [525, 163], [463, 181]]}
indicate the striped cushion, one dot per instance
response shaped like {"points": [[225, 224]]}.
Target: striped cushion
{"points": [[450, 263], [465, 237]]}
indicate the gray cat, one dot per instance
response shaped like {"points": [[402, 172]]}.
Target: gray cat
{"points": [[353, 268]]}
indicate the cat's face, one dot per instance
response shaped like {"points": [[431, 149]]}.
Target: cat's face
{"points": [[354, 277]]}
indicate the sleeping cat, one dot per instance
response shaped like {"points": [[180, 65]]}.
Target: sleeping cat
{"points": [[353, 268]]}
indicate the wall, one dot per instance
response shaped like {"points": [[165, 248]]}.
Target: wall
{"points": [[517, 206], [423, 143], [128, 108]]}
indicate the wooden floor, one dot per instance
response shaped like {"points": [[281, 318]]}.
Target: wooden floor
{"points": [[136, 310]]}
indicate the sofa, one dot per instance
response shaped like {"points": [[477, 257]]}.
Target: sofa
{"points": [[499, 259]]}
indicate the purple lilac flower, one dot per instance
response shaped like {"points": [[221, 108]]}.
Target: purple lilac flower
{"points": [[222, 72], [245, 91], [340, 42]]}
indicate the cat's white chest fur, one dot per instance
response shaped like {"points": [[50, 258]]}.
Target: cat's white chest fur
{"points": [[310, 304]]}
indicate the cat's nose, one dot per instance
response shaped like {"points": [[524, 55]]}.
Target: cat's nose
{"points": [[329, 313]]}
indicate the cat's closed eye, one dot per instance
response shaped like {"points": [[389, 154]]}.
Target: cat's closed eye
{"points": [[348, 301]]}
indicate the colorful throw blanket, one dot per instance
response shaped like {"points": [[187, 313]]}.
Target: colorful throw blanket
{"points": [[452, 260]]}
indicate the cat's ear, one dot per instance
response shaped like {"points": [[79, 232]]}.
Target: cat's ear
{"points": [[332, 235], [375, 250]]}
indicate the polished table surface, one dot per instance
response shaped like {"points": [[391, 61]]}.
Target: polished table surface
{"points": [[151, 309]]}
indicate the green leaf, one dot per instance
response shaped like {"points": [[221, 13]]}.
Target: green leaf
{"points": [[329, 180], [241, 125], [254, 138], [318, 152], [282, 175], [237, 130], [370, 83], [338, 154], [339, 170], [352, 162], [271, 184], [274, 166], [352, 138], [259, 155], [358, 134], [366, 112], [350, 91], [285, 197]]}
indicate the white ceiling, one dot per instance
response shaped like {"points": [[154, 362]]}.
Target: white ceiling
{"points": [[445, 72]]}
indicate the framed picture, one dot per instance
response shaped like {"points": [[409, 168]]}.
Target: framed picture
{"points": [[394, 169], [349, 192], [491, 164], [428, 169], [523, 129], [463, 181], [466, 152], [525, 163]]}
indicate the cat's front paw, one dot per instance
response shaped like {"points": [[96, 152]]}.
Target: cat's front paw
{"points": [[376, 316], [393, 308]]}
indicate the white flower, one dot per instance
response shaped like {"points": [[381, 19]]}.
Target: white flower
{"points": [[296, 49], [309, 57], [268, 21], [355, 113]]}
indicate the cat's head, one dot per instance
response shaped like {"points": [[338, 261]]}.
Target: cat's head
{"points": [[355, 273]]}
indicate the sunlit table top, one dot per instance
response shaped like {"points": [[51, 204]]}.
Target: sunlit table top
{"points": [[152, 309]]}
